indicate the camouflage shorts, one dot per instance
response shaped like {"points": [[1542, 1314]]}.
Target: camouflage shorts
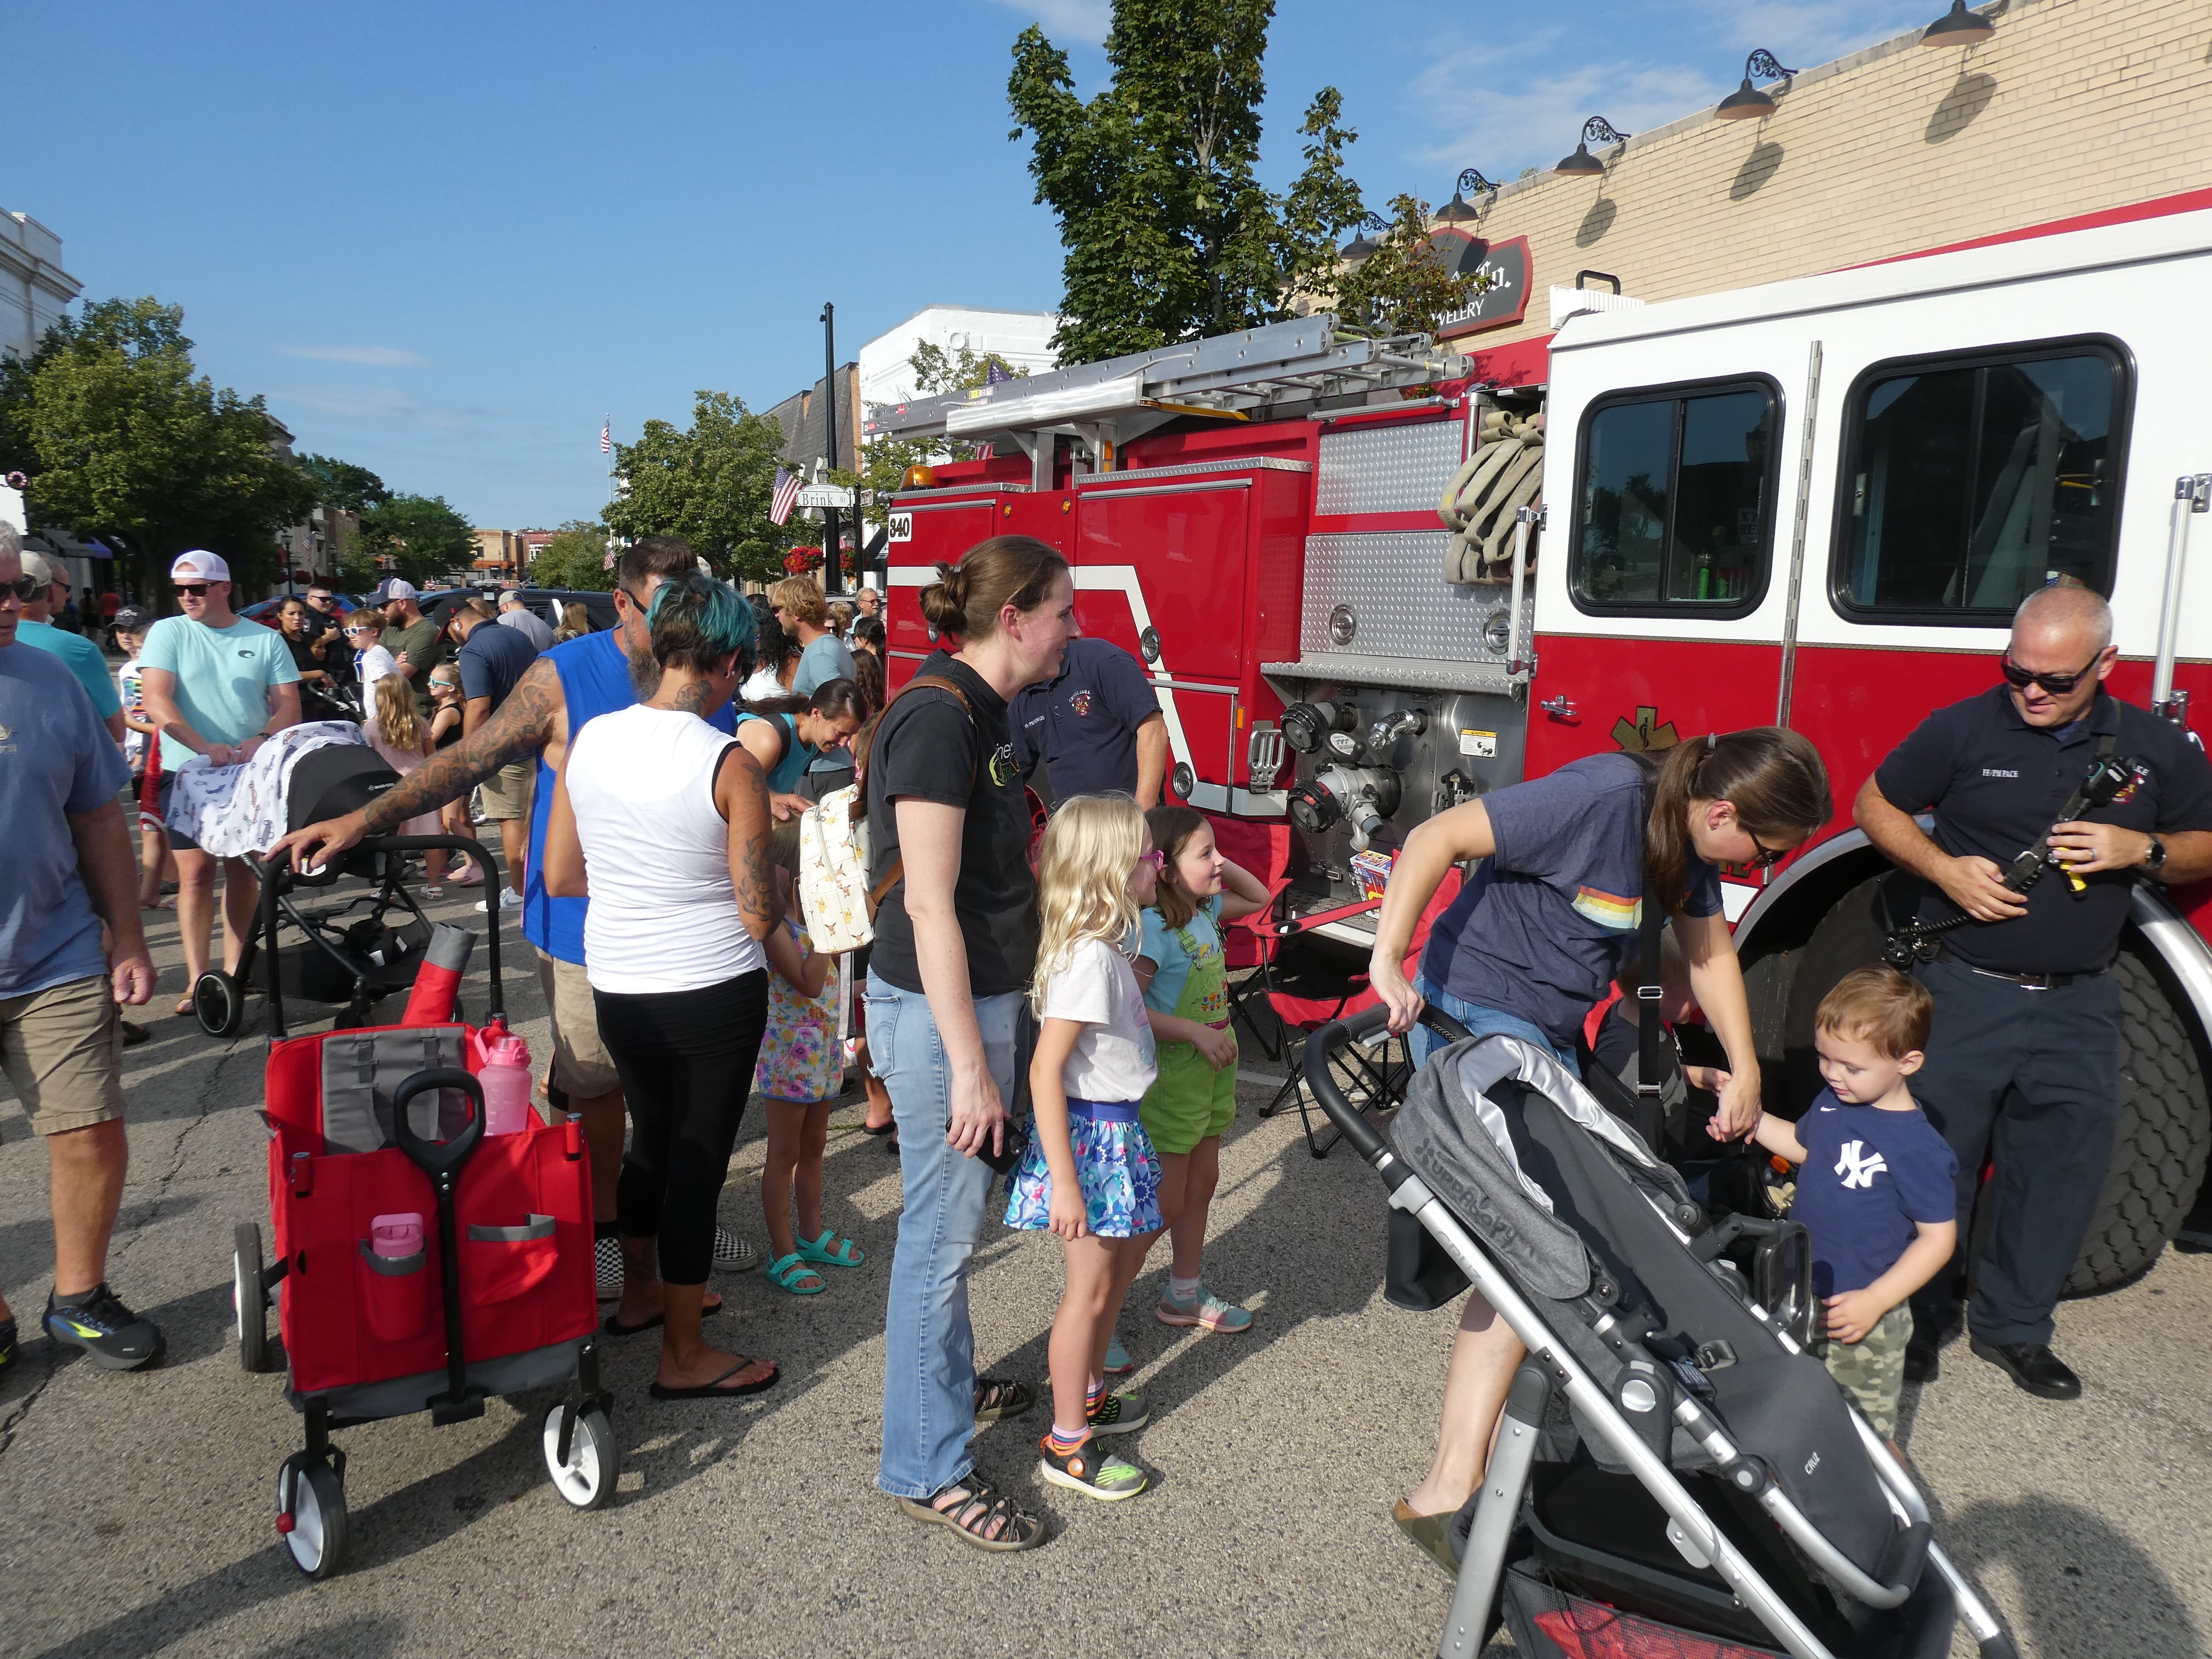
{"points": [[1872, 1371]]}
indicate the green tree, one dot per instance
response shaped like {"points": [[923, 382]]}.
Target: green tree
{"points": [[341, 485], [575, 557], [711, 484], [1168, 233], [422, 535], [886, 460], [1406, 286], [124, 442]]}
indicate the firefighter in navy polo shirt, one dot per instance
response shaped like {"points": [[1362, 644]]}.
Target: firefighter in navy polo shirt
{"points": [[1098, 727], [2023, 1064]]}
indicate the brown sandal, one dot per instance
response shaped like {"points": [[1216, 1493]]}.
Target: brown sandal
{"points": [[972, 1515]]}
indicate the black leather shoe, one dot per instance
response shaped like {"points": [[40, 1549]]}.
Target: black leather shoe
{"points": [[2033, 1366], [1922, 1363]]}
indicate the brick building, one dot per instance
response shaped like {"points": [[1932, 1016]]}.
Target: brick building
{"points": [[2068, 107]]}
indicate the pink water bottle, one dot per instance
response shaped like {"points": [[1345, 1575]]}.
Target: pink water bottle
{"points": [[506, 1080], [396, 1234]]}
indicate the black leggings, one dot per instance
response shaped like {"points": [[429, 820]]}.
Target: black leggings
{"points": [[686, 1062]]}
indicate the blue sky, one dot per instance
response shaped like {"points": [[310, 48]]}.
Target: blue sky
{"points": [[444, 239]]}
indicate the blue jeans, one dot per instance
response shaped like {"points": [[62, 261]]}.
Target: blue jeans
{"points": [[1421, 1042], [929, 1347]]}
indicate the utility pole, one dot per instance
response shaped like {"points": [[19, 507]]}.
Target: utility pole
{"points": [[833, 562]]}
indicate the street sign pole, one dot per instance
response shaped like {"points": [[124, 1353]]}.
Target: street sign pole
{"points": [[833, 563]]}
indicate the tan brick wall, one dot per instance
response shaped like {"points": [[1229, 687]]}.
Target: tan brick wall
{"points": [[2072, 105]]}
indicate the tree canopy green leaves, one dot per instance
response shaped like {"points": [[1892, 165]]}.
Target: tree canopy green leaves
{"points": [[710, 484], [344, 485], [575, 557], [422, 535]]}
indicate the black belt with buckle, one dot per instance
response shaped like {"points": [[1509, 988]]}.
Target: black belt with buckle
{"points": [[2030, 981]]}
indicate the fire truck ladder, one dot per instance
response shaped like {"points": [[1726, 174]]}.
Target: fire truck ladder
{"points": [[1255, 374]]}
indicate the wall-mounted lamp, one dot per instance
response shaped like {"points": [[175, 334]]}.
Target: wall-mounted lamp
{"points": [[1456, 211], [1362, 244], [1958, 27], [1581, 164], [1747, 103]]}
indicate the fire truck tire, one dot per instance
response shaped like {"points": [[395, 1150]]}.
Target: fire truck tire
{"points": [[2159, 1150], [2164, 1127]]}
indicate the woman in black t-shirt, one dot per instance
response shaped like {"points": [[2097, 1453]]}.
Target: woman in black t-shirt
{"points": [[955, 946]]}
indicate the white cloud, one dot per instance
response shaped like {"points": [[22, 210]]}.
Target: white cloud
{"points": [[375, 357], [1065, 20]]}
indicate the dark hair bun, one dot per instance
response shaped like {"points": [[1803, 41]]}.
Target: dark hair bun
{"points": [[945, 601]]}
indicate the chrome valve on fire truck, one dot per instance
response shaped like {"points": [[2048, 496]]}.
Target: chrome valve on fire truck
{"points": [[1362, 796], [1388, 730]]}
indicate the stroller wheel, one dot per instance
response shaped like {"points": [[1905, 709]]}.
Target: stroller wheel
{"points": [[587, 1478], [249, 1298], [219, 1003], [317, 1539]]}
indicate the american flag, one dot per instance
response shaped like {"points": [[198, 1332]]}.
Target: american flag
{"points": [[607, 437], [785, 497]]}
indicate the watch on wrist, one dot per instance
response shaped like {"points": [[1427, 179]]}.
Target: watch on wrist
{"points": [[2155, 855]]}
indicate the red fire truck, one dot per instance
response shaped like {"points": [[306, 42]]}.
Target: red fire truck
{"points": [[1376, 577]]}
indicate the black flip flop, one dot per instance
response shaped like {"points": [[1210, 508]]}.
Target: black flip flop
{"points": [[614, 1327], [891, 1128], [715, 1390]]}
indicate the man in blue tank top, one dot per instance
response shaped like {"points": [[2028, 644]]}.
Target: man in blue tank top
{"points": [[566, 687]]}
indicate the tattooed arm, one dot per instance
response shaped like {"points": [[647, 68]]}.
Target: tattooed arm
{"points": [[741, 796], [534, 717]]}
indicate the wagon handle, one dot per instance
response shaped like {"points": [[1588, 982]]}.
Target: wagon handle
{"points": [[442, 1162]]}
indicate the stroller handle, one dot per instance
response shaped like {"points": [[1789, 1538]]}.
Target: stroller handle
{"points": [[1323, 1045]]}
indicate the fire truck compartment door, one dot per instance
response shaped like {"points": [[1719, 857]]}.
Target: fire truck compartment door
{"points": [[1202, 750], [1184, 547], [946, 529]]}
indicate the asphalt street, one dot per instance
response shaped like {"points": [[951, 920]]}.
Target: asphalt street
{"points": [[136, 1511]]}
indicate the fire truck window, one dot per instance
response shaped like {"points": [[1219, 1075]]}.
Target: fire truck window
{"points": [[1673, 513], [1973, 486]]}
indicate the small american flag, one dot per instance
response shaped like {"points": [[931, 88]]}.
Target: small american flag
{"points": [[607, 437], [785, 497]]}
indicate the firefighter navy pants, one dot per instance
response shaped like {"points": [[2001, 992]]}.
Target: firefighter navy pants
{"points": [[2027, 1081]]}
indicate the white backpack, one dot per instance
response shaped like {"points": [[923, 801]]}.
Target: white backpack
{"points": [[832, 874]]}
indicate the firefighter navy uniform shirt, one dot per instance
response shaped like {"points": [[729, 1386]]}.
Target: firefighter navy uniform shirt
{"points": [[1084, 724], [929, 749], [1871, 1178], [1545, 923], [1996, 784]]}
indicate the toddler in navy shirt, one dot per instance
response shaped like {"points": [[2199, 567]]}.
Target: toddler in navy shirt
{"points": [[1877, 1185]]}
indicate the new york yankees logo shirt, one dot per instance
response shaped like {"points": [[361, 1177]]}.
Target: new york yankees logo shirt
{"points": [[1870, 1178]]}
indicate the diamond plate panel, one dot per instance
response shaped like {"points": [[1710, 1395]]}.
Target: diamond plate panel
{"points": [[1387, 469], [1393, 582]]}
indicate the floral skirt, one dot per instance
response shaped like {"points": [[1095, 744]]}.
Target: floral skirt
{"points": [[1114, 1164]]}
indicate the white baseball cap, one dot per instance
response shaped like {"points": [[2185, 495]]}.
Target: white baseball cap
{"points": [[199, 566], [393, 588], [40, 568]]}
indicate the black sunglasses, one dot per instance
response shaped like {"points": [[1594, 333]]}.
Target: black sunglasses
{"points": [[198, 590], [25, 588], [2057, 684]]}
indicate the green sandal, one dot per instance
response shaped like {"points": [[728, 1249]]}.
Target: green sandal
{"points": [[832, 1250], [787, 1273]]}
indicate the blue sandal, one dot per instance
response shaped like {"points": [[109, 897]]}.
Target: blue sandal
{"points": [[843, 1253], [786, 1272]]}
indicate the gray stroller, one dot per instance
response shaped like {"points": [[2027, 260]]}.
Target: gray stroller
{"points": [[1675, 1473]]}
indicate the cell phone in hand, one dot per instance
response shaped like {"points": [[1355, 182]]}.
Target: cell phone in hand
{"points": [[1012, 1143]]}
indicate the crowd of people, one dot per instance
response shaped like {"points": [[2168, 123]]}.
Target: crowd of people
{"points": [[1044, 1000]]}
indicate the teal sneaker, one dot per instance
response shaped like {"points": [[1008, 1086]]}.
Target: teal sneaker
{"points": [[97, 1322], [1205, 1310], [1118, 1363], [1091, 1471]]}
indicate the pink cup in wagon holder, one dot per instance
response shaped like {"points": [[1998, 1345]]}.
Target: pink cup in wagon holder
{"points": [[396, 1234]]}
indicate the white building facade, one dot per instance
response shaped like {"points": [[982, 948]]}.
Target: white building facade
{"points": [[1021, 339], [35, 290]]}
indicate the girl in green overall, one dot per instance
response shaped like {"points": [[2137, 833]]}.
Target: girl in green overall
{"points": [[1183, 968]]}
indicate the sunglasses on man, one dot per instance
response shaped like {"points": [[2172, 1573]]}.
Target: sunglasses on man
{"points": [[25, 588], [198, 590], [2057, 684]]}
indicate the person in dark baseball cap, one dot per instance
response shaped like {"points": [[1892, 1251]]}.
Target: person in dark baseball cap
{"points": [[133, 619]]}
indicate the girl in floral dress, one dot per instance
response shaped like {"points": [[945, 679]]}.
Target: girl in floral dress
{"points": [[800, 1074], [1090, 1175]]}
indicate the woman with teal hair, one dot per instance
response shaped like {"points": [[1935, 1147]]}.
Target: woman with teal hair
{"points": [[662, 821]]}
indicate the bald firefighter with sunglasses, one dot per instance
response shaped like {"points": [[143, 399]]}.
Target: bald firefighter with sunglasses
{"points": [[2024, 1058]]}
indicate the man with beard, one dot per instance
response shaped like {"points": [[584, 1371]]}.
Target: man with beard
{"points": [[592, 674]]}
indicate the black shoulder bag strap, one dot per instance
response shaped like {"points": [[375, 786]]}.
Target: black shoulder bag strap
{"points": [[1651, 913]]}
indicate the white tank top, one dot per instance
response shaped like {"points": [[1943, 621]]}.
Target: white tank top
{"points": [[663, 915]]}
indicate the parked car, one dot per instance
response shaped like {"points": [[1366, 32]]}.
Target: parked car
{"points": [[546, 602]]}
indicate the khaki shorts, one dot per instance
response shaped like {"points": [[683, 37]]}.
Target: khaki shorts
{"points": [[581, 1065], [62, 1049], [506, 793]]}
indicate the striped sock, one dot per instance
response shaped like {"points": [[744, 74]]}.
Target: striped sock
{"points": [[1061, 1444], [1093, 1395]]}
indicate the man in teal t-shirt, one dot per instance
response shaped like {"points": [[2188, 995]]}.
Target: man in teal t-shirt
{"points": [[216, 685], [82, 656]]}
